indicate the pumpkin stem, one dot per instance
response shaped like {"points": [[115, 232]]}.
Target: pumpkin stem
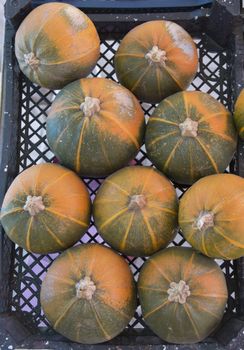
{"points": [[204, 220], [85, 288], [178, 292], [90, 106], [34, 205], [189, 128], [138, 201], [156, 55], [31, 60]]}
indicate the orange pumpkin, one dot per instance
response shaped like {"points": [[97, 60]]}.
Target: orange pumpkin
{"points": [[135, 210], [211, 216], [95, 126], [182, 294], [56, 44], [239, 114], [88, 294], [155, 60], [46, 209]]}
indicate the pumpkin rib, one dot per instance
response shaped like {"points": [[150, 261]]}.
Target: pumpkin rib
{"points": [[71, 60], [172, 76], [212, 161], [162, 137], [110, 116], [188, 266], [72, 302], [146, 179], [160, 271], [222, 202], [221, 253], [78, 158], [118, 187], [223, 136], [204, 119], [54, 182], [139, 79], [204, 310], [153, 289], [58, 110], [136, 67], [140, 43], [104, 151], [232, 241], [28, 234], [209, 295], [113, 217], [81, 223], [130, 55], [13, 211], [70, 282], [70, 122], [170, 156], [158, 81], [206, 273], [191, 320], [203, 244], [107, 336], [150, 230], [166, 302], [52, 234], [156, 193], [166, 210], [161, 120], [73, 262], [50, 17], [123, 243], [36, 182], [127, 317], [191, 162]]}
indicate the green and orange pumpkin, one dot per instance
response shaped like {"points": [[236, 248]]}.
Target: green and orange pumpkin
{"points": [[135, 211], [88, 294], [95, 126], [190, 135], [239, 114], [211, 216], [155, 60], [182, 294], [46, 209], [56, 44]]}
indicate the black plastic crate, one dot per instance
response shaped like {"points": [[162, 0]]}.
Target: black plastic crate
{"points": [[217, 29]]}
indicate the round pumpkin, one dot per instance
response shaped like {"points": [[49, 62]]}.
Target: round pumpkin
{"points": [[46, 209], [182, 294], [95, 126], [88, 294], [190, 135], [239, 114], [211, 216], [56, 44], [135, 211], [155, 60]]}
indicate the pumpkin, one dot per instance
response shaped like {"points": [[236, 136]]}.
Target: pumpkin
{"points": [[56, 44], [211, 216], [135, 210], [182, 294], [239, 114], [46, 209], [95, 126], [88, 294], [155, 60], [190, 135]]}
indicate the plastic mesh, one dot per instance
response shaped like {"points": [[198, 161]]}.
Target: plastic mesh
{"points": [[214, 77]]}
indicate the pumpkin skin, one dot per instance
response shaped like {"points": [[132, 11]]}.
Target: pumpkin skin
{"points": [[239, 114], [211, 216], [93, 316], [187, 318], [63, 219], [135, 211], [56, 44], [97, 140], [190, 135], [171, 66]]}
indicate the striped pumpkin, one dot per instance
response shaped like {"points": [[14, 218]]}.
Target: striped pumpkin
{"points": [[135, 211], [95, 126], [155, 60], [46, 209], [190, 135], [182, 294], [88, 294], [56, 44], [239, 114], [211, 216]]}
